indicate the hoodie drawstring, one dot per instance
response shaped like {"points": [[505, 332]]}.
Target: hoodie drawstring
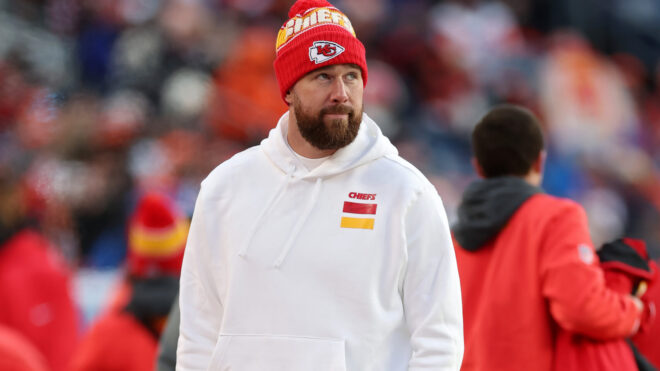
{"points": [[270, 203], [301, 221]]}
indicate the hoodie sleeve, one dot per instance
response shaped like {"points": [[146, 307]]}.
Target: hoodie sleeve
{"points": [[574, 284], [431, 289], [200, 306]]}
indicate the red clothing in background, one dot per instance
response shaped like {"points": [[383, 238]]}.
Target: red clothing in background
{"points": [[626, 265], [539, 272], [117, 342], [18, 354], [36, 297], [648, 341]]}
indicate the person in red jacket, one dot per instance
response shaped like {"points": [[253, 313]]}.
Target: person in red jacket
{"points": [[627, 269], [525, 259], [36, 299], [126, 337], [18, 354], [648, 341]]}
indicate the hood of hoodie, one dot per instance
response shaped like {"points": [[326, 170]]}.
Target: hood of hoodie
{"points": [[487, 206], [369, 144]]}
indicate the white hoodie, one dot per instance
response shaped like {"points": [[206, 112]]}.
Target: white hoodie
{"points": [[349, 266]]}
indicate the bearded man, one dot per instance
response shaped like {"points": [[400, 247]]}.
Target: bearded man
{"points": [[321, 248]]}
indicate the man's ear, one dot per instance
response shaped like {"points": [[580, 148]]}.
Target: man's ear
{"points": [[477, 167], [288, 97], [539, 164]]}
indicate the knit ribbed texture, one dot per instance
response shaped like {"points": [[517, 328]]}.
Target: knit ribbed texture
{"points": [[317, 35], [157, 235]]}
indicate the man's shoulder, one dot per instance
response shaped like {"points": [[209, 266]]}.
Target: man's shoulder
{"points": [[235, 164], [551, 206], [400, 169]]}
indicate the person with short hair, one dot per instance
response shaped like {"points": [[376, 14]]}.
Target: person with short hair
{"points": [[321, 248], [526, 261]]}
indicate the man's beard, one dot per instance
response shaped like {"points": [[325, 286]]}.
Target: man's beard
{"points": [[336, 134]]}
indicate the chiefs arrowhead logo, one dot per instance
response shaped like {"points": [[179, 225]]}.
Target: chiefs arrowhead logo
{"points": [[323, 51]]}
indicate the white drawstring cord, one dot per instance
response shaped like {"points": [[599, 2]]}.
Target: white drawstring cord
{"points": [[301, 221], [271, 202]]}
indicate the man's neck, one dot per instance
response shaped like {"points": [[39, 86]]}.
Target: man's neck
{"points": [[302, 146], [534, 178]]}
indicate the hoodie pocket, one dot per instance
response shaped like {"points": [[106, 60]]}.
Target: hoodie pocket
{"points": [[277, 353]]}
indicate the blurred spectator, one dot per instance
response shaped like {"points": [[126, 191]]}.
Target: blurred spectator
{"points": [[98, 32], [245, 102], [34, 282], [482, 35], [18, 354], [584, 100], [13, 90], [185, 95], [591, 116], [386, 97], [606, 212], [126, 336]]}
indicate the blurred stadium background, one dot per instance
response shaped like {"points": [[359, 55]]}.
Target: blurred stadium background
{"points": [[101, 100]]}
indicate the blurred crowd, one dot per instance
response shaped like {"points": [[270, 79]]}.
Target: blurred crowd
{"points": [[102, 101]]}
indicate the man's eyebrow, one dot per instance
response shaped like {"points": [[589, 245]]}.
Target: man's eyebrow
{"points": [[326, 68], [322, 69]]}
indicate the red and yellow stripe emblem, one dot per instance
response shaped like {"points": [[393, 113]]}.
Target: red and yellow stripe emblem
{"points": [[358, 222]]}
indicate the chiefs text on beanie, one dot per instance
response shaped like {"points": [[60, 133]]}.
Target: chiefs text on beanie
{"points": [[316, 35]]}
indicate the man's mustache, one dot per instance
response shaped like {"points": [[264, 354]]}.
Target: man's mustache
{"points": [[340, 109]]}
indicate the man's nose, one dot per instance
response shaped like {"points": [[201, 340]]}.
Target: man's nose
{"points": [[339, 93]]}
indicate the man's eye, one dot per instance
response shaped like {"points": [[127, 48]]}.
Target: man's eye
{"points": [[352, 76], [323, 76]]}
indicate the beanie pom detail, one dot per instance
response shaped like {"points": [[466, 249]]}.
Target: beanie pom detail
{"points": [[301, 6]]}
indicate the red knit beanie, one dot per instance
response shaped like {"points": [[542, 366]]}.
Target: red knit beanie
{"points": [[157, 234], [316, 35]]}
